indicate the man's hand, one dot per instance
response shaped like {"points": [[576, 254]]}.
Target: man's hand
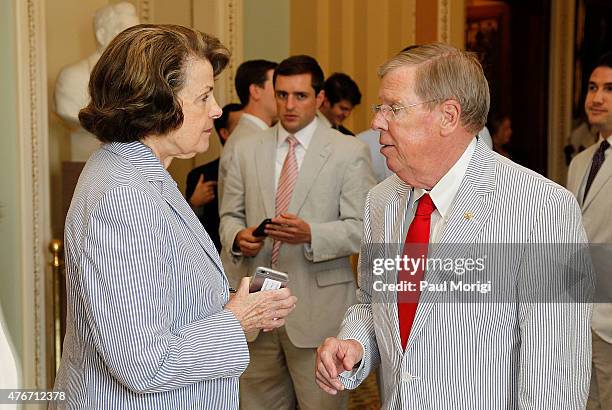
{"points": [[289, 228], [203, 193], [333, 357], [249, 245]]}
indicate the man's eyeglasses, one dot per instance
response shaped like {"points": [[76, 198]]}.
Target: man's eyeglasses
{"points": [[391, 112]]}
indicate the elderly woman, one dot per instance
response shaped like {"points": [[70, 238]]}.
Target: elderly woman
{"points": [[150, 321]]}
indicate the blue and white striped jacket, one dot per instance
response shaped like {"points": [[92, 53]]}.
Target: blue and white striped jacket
{"points": [[511, 352], [146, 328]]}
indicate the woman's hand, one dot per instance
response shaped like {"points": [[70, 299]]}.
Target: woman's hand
{"points": [[261, 310]]}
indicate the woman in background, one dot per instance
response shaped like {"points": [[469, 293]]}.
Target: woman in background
{"points": [[150, 322]]}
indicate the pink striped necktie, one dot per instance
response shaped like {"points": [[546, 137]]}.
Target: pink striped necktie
{"points": [[286, 183]]}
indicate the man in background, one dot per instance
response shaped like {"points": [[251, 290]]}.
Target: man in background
{"points": [[312, 181], [253, 83], [254, 87], [201, 189], [590, 179], [342, 95]]}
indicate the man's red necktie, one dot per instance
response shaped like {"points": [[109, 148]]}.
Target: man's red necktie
{"points": [[415, 249]]}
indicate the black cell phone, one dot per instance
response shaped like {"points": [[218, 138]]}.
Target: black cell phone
{"points": [[259, 231]]}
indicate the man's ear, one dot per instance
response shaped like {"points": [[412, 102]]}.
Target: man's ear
{"points": [[255, 92], [224, 134], [320, 98], [450, 111], [326, 104]]}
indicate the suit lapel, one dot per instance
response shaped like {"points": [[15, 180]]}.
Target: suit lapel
{"points": [[469, 213], [602, 177], [265, 163], [317, 154], [144, 161], [173, 197], [395, 216], [583, 161]]}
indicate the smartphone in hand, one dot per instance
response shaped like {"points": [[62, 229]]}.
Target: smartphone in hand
{"points": [[259, 231], [267, 279]]}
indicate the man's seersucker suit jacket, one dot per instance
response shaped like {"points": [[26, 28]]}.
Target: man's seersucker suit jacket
{"points": [[476, 355]]}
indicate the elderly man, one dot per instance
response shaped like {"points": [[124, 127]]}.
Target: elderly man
{"points": [[437, 349]]}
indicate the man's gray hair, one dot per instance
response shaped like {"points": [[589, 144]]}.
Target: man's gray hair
{"points": [[444, 72]]}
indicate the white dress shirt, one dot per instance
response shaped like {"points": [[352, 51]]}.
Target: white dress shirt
{"points": [[443, 195], [304, 136]]}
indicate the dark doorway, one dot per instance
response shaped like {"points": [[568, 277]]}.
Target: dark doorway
{"points": [[517, 70]]}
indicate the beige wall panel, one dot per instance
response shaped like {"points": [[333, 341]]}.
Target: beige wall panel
{"points": [[337, 38], [426, 21], [349, 29], [394, 28], [361, 116], [457, 24], [172, 12], [303, 26], [378, 50], [323, 45], [407, 14], [355, 37]]}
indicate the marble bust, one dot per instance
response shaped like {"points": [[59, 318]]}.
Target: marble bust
{"points": [[71, 87]]}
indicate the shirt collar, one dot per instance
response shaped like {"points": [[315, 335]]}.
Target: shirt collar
{"points": [[255, 120], [304, 136], [324, 119], [142, 158], [600, 138], [444, 192]]}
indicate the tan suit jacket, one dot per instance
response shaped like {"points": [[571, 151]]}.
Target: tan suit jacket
{"points": [[596, 216], [244, 130], [330, 193]]}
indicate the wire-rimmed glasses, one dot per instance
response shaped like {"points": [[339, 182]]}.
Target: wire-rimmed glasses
{"points": [[385, 109]]}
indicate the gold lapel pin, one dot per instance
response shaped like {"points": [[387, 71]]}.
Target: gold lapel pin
{"points": [[468, 215]]}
